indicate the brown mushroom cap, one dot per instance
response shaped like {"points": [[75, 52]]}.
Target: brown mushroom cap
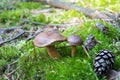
{"points": [[74, 40], [47, 38]]}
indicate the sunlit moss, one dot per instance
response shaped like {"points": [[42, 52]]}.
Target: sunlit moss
{"points": [[39, 18], [28, 5], [100, 4], [70, 69], [13, 16], [9, 52]]}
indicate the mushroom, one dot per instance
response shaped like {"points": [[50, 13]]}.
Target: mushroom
{"points": [[46, 39], [75, 40]]}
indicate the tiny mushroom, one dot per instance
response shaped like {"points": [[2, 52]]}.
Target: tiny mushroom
{"points": [[75, 40], [47, 39]]}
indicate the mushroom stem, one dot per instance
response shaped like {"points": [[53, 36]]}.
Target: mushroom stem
{"points": [[85, 51], [73, 51], [35, 54], [52, 52]]}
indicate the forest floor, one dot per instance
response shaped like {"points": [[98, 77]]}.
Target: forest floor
{"points": [[21, 60]]}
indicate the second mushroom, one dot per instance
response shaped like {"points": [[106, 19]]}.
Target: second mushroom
{"points": [[75, 40]]}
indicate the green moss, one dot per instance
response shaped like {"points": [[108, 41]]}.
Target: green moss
{"points": [[3, 64], [33, 58], [70, 69], [9, 53], [13, 16], [117, 62], [71, 13], [23, 9], [39, 18], [35, 63], [28, 5]]}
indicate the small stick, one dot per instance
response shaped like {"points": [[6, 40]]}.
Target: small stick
{"points": [[5, 41], [18, 76], [85, 51], [13, 71]]}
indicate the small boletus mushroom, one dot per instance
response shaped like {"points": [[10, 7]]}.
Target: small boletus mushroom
{"points": [[75, 40], [47, 39]]}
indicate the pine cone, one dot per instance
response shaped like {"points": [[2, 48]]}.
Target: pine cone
{"points": [[103, 62], [90, 42], [102, 28]]}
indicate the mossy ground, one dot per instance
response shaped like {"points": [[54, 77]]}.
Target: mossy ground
{"points": [[35, 64]]}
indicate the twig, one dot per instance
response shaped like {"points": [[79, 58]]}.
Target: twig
{"points": [[13, 71], [59, 25], [35, 33], [25, 21], [10, 28], [86, 51], [18, 76], [9, 65], [5, 41], [9, 76], [42, 11]]}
